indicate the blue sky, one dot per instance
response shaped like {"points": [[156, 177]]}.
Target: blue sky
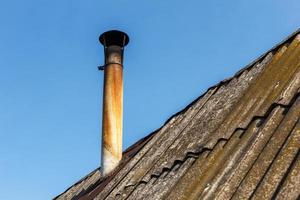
{"points": [[51, 91]]}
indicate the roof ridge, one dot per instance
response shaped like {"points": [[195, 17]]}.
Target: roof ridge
{"points": [[288, 39]]}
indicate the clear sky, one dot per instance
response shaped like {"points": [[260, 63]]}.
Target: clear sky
{"points": [[51, 91]]}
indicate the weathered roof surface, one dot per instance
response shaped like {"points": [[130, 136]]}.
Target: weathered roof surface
{"points": [[239, 140]]}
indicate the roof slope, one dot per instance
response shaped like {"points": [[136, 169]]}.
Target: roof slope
{"points": [[240, 139]]}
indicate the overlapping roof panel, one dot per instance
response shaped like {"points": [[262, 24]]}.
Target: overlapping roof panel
{"points": [[239, 140]]}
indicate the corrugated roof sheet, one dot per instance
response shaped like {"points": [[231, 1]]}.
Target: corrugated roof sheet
{"points": [[239, 140]]}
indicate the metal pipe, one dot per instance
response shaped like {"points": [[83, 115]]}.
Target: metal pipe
{"points": [[112, 116]]}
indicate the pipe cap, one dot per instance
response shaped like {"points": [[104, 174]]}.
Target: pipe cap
{"points": [[114, 37]]}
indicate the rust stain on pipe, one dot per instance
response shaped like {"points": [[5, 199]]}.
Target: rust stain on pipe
{"points": [[112, 117]]}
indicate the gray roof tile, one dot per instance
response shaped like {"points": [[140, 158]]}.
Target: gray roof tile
{"points": [[240, 139]]}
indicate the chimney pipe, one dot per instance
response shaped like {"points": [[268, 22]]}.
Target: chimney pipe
{"points": [[112, 117]]}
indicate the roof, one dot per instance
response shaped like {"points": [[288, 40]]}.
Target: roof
{"points": [[240, 139]]}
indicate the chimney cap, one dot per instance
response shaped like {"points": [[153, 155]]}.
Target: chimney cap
{"points": [[114, 37]]}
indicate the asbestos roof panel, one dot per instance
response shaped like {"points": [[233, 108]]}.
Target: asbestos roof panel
{"points": [[240, 139]]}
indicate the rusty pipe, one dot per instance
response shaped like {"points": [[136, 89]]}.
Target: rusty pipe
{"points": [[112, 115]]}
